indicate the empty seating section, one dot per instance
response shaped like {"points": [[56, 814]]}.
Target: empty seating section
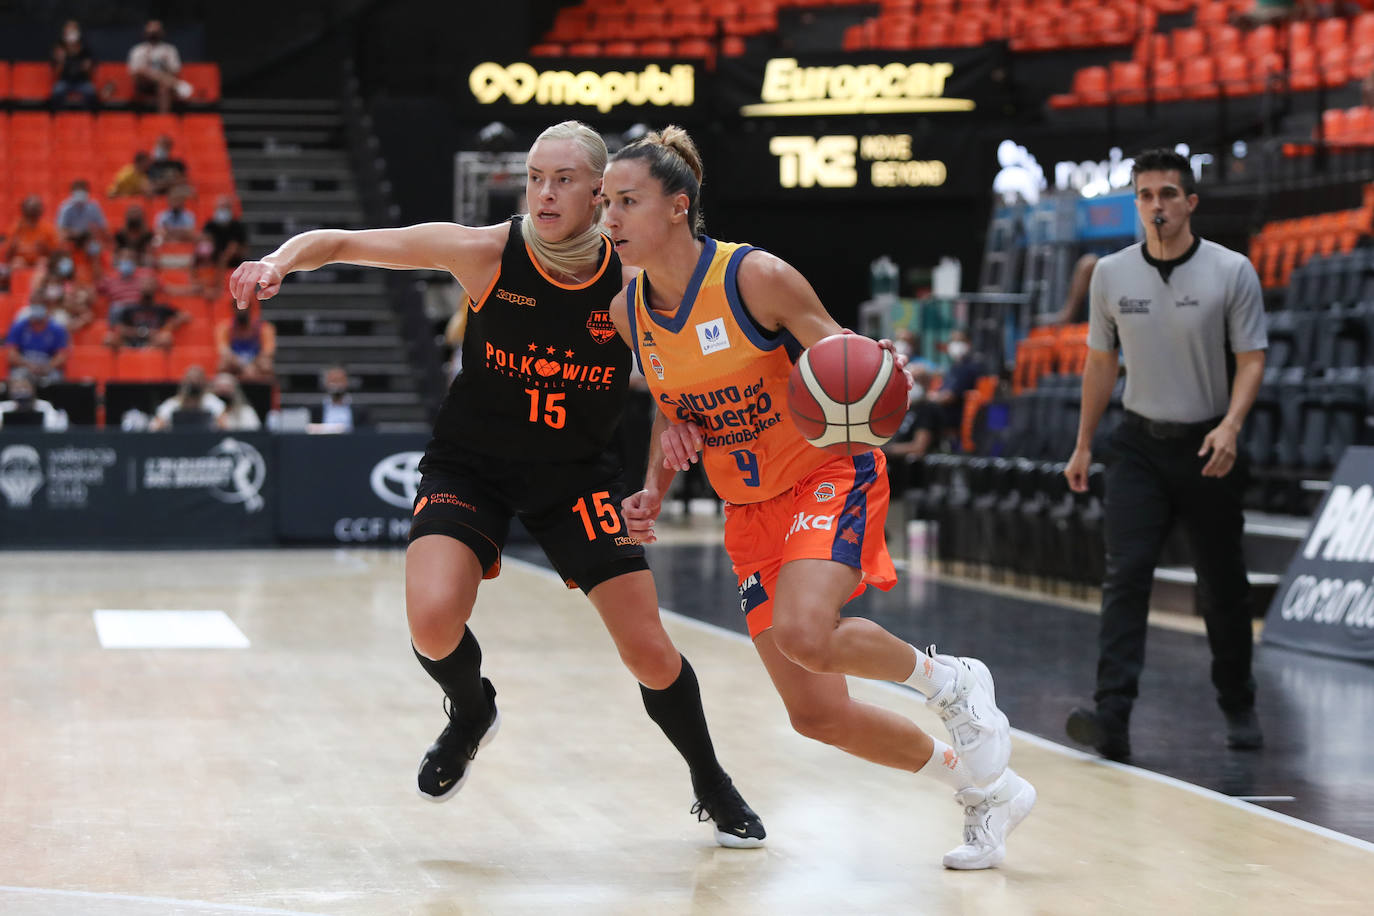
{"points": [[1284, 245], [1214, 58], [42, 154], [29, 83]]}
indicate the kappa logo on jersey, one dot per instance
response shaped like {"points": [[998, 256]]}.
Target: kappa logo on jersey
{"points": [[712, 336], [804, 522], [649, 338], [825, 492], [751, 593], [600, 326], [516, 298], [656, 364]]}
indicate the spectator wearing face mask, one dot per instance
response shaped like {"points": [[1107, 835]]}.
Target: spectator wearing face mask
{"points": [[336, 410], [78, 215], [135, 234], [961, 377], [68, 294], [177, 223], [132, 179], [908, 343], [32, 240], [22, 402], [247, 346], [238, 415], [72, 65], [222, 244], [145, 322], [165, 171], [38, 345], [124, 284], [155, 66], [918, 432], [194, 395]]}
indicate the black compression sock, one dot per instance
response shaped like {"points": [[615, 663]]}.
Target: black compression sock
{"points": [[460, 675], [677, 710]]}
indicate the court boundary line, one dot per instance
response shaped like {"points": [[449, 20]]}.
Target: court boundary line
{"points": [[1037, 740], [139, 898]]}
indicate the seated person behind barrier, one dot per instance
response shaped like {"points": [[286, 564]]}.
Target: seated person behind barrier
{"points": [[962, 376], [165, 171], [238, 414], [32, 240], [68, 293], [155, 66], [135, 234], [37, 345], [337, 410], [247, 346], [124, 284], [23, 407], [72, 68], [80, 217], [193, 396], [177, 223], [916, 435], [145, 322]]}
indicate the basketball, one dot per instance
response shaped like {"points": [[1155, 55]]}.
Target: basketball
{"points": [[846, 394]]}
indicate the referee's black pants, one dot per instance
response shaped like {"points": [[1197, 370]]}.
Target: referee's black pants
{"points": [[1152, 482]]}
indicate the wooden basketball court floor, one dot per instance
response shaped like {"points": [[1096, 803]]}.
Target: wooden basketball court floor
{"points": [[278, 777]]}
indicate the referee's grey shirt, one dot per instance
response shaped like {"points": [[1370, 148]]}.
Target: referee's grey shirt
{"points": [[1174, 334]]}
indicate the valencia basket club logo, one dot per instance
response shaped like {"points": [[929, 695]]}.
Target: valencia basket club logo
{"points": [[600, 325]]}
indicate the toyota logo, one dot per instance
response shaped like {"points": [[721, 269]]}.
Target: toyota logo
{"points": [[395, 478]]}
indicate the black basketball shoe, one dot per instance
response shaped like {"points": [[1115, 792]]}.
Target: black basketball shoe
{"points": [[737, 826], [446, 765]]}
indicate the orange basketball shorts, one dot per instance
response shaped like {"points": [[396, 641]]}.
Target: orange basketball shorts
{"points": [[836, 512]]}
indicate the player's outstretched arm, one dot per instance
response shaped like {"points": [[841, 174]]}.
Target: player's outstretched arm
{"points": [[469, 253]]}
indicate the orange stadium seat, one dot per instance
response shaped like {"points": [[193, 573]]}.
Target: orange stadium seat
{"points": [[620, 48], [584, 49], [30, 81], [182, 358], [1188, 43], [112, 80], [146, 364], [547, 49], [94, 362], [204, 80], [4, 79], [656, 47], [1128, 82]]}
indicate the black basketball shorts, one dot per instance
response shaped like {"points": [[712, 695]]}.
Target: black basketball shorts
{"points": [[572, 509]]}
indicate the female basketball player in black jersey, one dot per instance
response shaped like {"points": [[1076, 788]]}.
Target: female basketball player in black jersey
{"points": [[526, 431]]}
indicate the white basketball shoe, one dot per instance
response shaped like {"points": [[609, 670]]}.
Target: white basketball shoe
{"points": [[978, 730], [990, 815]]}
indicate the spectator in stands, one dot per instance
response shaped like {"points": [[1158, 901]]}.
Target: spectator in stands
{"points": [[962, 376], [918, 432], [908, 343], [68, 297], [155, 67], [22, 404], [135, 235], [1075, 302], [73, 65], [79, 217], [164, 170], [247, 346], [132, 179], [223, 242], [38, 345], [145, 322], [337, 409], [238, 414], [193, 397], [32, 240], [177, 223], [124, 284], [1265, 11]]}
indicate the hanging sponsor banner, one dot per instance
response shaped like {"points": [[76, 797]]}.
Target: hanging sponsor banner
{"points": [[583, 88], [1325, 602], [80, 489], [353, 489], [953, 80], [918, 161]]}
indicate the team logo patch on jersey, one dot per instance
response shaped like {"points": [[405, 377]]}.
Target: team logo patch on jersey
{"points": [[656, 364], [751, 593], [825, 492], [516, 298], [600, 325], [546, 367], [712, 336]]}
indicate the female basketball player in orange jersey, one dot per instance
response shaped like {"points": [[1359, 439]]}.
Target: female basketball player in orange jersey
{"points": [[716, 327], [526, 431]]}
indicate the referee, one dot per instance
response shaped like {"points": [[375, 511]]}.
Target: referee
{"points": [[1188, 317]]}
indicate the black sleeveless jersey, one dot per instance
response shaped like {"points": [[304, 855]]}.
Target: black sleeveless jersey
{"points": [[545, 374]]}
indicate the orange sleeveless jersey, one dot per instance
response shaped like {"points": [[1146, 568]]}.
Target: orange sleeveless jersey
{"points": [[708, 362]]}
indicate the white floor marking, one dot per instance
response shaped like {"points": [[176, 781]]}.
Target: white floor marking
{"points": [[128, 629]]}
